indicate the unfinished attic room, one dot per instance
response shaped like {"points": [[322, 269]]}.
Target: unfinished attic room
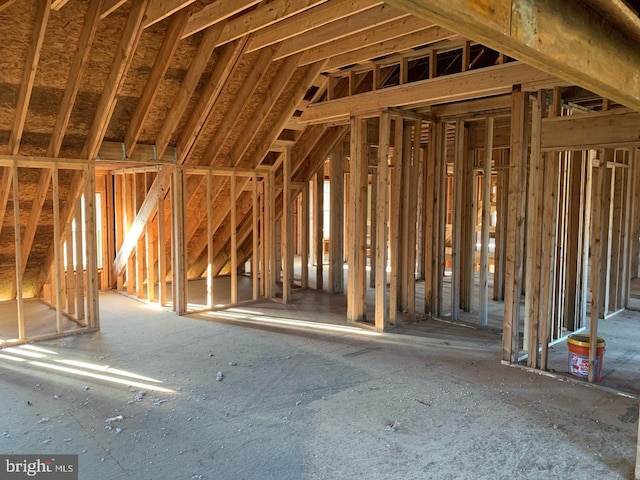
{"points": [[238, 236]]}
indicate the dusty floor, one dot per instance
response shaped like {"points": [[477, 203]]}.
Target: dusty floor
{"points": [[300, 399]]}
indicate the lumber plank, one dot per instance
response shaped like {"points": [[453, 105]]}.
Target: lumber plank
{"points": [[486, 221], [374, 18], [215, 13], [515, 227], [57, 260], [78, 64], [158, 10], [263, 16], [489, 81], [160, 66], [18, 251], [382, 213], [336, 212], [548, 35], [29, 75], [121, 63], [303, 22]]}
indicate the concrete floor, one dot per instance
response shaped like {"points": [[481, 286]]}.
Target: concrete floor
{"points": [[304, 395]]}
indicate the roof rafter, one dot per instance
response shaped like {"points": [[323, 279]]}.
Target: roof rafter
{"points": [[264, 16], [6, 4], [189, 83], [31, 65], [78, 64], [216, 12], [158, 71], [357, 41], [308, 20], [120, 66], [228, 58], [160, 9], [249, 85], [334, 31], [387, 47], [223, 70]]}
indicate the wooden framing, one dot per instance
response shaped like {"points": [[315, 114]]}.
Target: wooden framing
{"points": [[318, 224], [515, 231], [18, 251], [234, 239], [395, 215], [336, 245], [179, 247], [456, 245], [382, 214], [287, 228], [119, 68], [43, 7], [304, 244], [486, 220], [506, 28]]}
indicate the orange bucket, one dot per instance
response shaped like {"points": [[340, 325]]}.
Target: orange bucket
{"points": [[579, 356]]}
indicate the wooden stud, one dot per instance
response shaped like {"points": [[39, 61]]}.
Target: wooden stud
{"points": [[304, 247], [533, 252], [456, 250], [150, 261], [466, 55], [356, 154], [210, 252], [57, 262], [361, 222], [272, 233], [372, 182], [162, 255], [549, 249], [515, 230], [598, 260], [110, 222], [70, 274], [139, 194], [416, 161], [79, 251], [179, 249], [433, 64], [92, 248], [234, 240], [430, 223], [486, 221], [382, 214], [255, 250], [502, 195], [404, 71], [318, 219], [336, 211], [263, 239], [287, 227], [18, 251], [394, 218]]}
